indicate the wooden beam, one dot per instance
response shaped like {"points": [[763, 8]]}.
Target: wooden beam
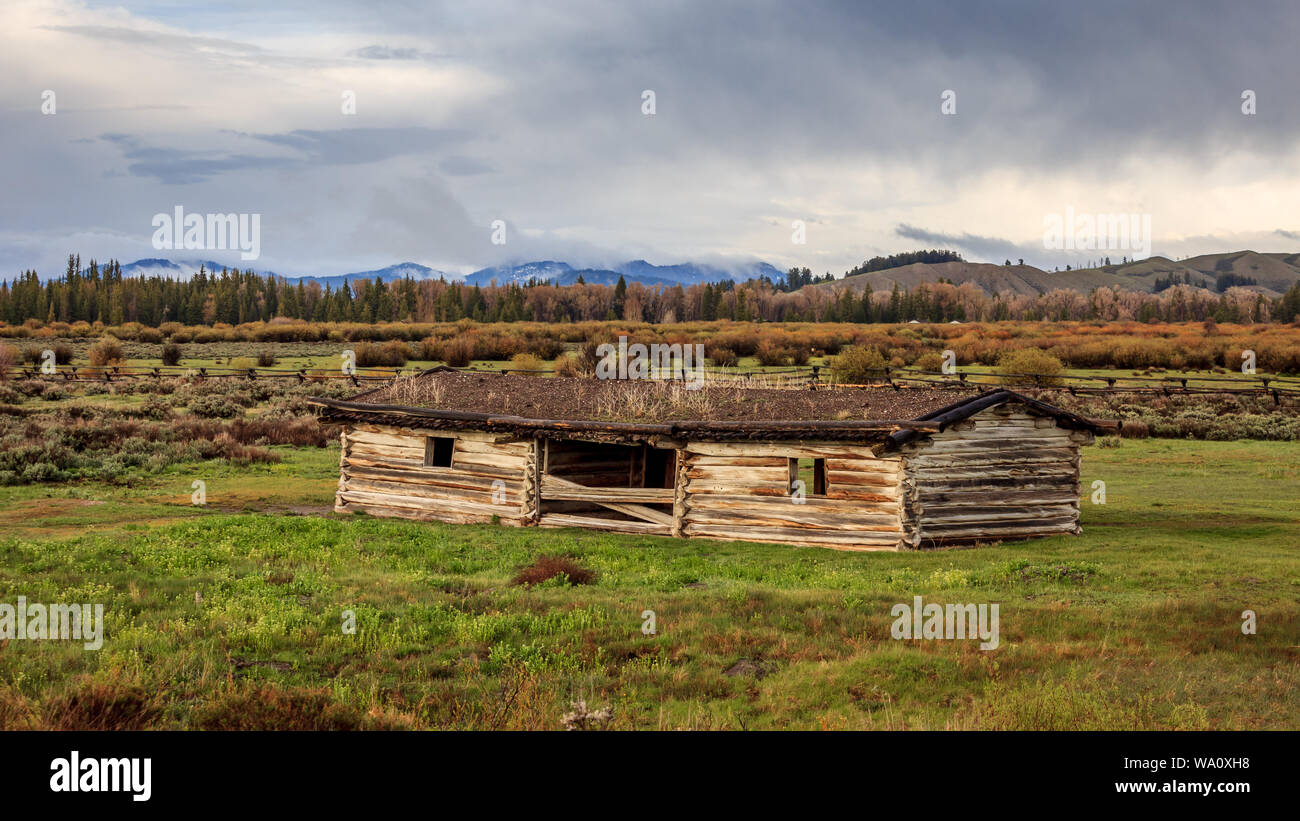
{"points": [[582, 493]]}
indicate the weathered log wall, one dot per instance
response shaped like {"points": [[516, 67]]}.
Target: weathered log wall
{"points": [[382, 472], [1002, 474], [742, 491]]}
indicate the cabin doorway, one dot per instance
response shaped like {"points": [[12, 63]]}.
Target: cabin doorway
{"points": [[628, 488]]}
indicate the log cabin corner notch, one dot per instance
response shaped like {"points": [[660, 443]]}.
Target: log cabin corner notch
{"points": [[858, 469]]}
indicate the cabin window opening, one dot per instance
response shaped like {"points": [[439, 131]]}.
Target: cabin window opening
{"points": [[811, 472], [438, 450]]}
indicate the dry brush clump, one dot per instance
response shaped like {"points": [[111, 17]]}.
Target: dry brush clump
{"points": [[545, 568], [392, 354]]}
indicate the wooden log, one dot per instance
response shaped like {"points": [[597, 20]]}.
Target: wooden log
{"points": [[702, 486], [793, 535], [739, 475], [679, 492], [794, 516], [439, 493], [811, 504], [785, 450], [433, 507]]}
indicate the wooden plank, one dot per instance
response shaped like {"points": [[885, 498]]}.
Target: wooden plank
{"points": [[554, 487], [445, 477], [740, 475], [596, 523], [794, 516], [639, 511], [844, 477], [793, 535], [498, 460], [738, 461], [795, 449], [701, 486], [812, 504], [415, 472], [387, 451], [435, 508]]}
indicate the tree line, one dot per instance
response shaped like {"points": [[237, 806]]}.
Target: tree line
{"points": [[102, 294]]}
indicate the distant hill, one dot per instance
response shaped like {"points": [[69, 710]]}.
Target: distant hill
{"points": [[1272, 273]]}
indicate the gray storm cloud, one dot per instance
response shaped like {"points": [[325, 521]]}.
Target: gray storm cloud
{"points": [[766, 112]]}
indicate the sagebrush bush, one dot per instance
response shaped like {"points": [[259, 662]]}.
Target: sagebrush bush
{"points": [[457, 352], [391, 354], [858, 365], [105, 352], [171, 354], [566, 366], [215, 407], [526, 362], [1030, 366]]}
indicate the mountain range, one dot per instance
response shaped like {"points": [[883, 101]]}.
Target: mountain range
{"points": [[559, 273], [1268, 273]]}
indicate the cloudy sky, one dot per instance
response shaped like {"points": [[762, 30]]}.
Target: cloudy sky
{"points": [[534, 114]]}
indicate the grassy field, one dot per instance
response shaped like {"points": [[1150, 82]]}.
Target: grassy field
{"points": [[230, 615]]}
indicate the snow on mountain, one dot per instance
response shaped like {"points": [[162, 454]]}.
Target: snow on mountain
{"points": [[556, 272]]}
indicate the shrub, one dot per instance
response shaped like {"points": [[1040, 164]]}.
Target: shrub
{"points": [[566, 365], [770, 355], [720, 357], [545, 347], [457, 352], [171, 354], [550, 567], [1134, 429], [858, 365], [526, 362], [391, 354], [932, 362], [215, 407], [105, 352], [266, 359], [1031, 366], [149, 335], [9, 357]]}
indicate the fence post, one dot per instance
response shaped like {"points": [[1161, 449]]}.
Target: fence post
{"points": [[815, 374]]}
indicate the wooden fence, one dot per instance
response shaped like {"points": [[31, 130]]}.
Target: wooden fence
{"points": [[812, 377]]}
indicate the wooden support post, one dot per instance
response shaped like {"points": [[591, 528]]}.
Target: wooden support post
{"points": [[679, 494]]}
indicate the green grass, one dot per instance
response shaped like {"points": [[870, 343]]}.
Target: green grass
{"points": [[226, 617]]}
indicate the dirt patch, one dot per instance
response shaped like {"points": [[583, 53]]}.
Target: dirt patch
{"points": [[747, 668]]}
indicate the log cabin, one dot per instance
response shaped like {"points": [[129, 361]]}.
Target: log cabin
{"points": [[855, 469]]}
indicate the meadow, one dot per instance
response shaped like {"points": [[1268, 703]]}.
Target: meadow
{"points": [[231, 615]]}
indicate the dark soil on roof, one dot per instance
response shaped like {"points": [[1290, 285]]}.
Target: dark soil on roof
{"points": [[536, 397]]}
